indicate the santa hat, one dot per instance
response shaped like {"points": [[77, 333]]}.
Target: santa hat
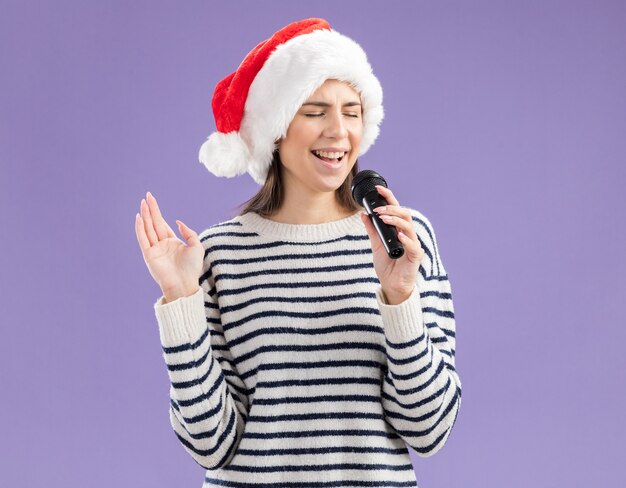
{"points": [[254, 105]]}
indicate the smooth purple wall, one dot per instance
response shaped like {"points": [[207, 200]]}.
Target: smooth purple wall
{"points": [[505, 125]]}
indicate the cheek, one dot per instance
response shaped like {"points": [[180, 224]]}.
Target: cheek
{"points": [[356, 139], [301, 132], [357, 129]]}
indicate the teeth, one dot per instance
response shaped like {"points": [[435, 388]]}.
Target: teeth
{"points": [[330, 155]]}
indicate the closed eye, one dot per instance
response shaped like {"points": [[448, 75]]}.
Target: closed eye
{"points": [[318, 115]]}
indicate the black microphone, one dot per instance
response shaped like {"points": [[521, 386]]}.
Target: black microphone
{"points": [[365, 193]]}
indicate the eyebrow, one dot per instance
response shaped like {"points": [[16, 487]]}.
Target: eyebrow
{"points": [[324, 104]]}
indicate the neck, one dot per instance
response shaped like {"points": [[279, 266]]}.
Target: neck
{"points": [[310, 210]]}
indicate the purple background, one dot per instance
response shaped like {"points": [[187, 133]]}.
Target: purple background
{"points": [[505, 125]]}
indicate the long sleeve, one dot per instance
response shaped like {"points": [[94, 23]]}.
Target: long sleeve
{"points": [[208, 402], [421, 393]]}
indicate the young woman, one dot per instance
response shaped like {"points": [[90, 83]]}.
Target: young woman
{"points": [[297, 350]]}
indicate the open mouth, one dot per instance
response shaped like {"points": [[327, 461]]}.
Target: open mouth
{"points": [[335, 160]]}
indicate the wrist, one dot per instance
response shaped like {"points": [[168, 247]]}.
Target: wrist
{"points": [[396, 297], [172, 294]]}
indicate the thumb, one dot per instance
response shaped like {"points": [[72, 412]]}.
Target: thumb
{"points": [[190, 236]]}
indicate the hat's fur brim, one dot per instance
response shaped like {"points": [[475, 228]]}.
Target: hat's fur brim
{"points": [[289, 76]]}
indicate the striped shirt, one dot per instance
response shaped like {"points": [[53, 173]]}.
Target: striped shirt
{"points": [[288, 368]]}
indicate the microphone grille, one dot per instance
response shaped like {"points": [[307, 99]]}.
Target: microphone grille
{"points": [[364, 182]]}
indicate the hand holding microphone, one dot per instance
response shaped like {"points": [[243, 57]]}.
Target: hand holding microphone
{"points": [[396, 249], [365, 193]]}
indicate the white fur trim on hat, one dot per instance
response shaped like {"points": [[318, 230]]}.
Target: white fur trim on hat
{"points": [[290, 75]]}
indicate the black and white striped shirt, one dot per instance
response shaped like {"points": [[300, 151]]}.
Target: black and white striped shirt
{"points": [[287, 367]]}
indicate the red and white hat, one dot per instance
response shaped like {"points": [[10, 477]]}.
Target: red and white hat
{"points": [[254, 105]]}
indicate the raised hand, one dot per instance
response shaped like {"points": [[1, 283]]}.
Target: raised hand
{"points": [[397, 277], [175, 266]]}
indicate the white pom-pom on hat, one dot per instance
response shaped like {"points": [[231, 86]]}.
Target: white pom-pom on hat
{"points": [[225, 154]]}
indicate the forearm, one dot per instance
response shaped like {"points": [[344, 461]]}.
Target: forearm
{"points": [[421, 389], [203, 410]]}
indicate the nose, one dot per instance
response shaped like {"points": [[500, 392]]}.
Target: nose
{"points": [[335, 126]]}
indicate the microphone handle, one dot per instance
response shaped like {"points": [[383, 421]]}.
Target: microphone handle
{"points": [[387, 233]]}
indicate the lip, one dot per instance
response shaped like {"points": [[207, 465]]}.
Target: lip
{"points": [[329, 165], [331, 149]]}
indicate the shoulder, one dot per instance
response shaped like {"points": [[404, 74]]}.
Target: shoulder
{"points": [[422, 225], [420, 221], [217, 240], [220, 232], [426, 234]]}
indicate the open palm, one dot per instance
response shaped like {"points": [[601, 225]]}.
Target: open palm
{"points": [[174, 265]]}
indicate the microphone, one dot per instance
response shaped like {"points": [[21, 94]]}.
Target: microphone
{"points": [[365, 193]]}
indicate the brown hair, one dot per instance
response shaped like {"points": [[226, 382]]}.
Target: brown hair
{"points": [[270, 197]]}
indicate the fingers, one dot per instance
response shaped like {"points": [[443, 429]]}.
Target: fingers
{"points": [[161, 227], [401, 225], [406, 235], [140, 232], [401, 218], [147, 223], [394, 214], [190, 235], [386, 192], [401, 212], [156, 228]]}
